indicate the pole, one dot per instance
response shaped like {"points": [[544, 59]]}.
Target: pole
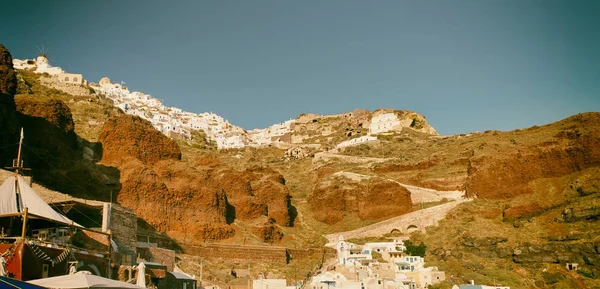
{"points": [[249, 275], [18, 165], [24, 223], [201, 272], [109, 254]]}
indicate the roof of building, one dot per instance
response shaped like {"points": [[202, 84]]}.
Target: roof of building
{"points": [[178, 275]]}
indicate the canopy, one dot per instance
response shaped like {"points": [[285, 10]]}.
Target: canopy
{"points": [[9, 283], [79, 280], [14, 188]]}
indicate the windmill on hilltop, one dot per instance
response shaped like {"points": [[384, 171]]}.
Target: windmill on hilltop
{"points": [[42, 64], [42, 55]]}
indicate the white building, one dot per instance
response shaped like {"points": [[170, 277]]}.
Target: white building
{"points": [[390, 251], [231, 142], [270, 284], [43, 66], [331, 280], [383, 123], [414, 268], [356, 141], [24, 64], [349, 254], [198, 123], [70, 78]]}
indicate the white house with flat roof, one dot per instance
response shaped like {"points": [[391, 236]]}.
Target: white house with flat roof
{"points": [[383, 123]]}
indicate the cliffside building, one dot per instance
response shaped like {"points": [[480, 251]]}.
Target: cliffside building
{"points": [[383, 123]]}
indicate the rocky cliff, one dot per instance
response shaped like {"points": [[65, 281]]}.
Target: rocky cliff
{"points": [[132, 136], [573, 148], [52, 151], [9, 121], [337, 196], [197, 200]]}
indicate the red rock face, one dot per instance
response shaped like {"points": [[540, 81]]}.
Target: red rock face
{"points": [[53, 111], [507, 176], [268, 233], [128, 135], [335, 197], [199, 200]]}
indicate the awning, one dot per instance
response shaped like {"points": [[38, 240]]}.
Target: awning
{"points": [[80, 280], [15, 190]]}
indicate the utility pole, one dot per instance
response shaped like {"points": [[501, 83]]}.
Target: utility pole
{"points": [[249, 275], [201, 271]]}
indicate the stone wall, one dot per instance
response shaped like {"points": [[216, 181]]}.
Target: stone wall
{"points": [[305, 253], [71, 89], [271, 254], [158, 255], [418, 219], [123, 225]]}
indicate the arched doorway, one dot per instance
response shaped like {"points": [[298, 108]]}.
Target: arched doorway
{"points": [[396, 233], [412, 228]]}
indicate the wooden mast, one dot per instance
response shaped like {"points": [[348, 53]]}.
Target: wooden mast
{"points": [[18, 164], [17, 167]]}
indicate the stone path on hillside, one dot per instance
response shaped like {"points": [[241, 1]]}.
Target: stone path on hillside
{"points": [[417, 194], [417, 220], [352, 159]]}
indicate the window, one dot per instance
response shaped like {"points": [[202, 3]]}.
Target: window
{"points": [[66, 79], [74, 79]]}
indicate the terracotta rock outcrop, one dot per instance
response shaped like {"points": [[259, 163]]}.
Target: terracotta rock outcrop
{"points": [[132, 136], [53, 111], [509, 176], [9, 121], [197, 200], [198, 212], [337, 196]]}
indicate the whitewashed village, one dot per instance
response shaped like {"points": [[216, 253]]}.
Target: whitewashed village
{"points": [[174, 122], [373, 265]]}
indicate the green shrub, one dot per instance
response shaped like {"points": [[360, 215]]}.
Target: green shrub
{"points": [[415, 250]]}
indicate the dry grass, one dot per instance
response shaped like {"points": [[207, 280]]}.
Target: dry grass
{"points": [[89, 113], [478, 220]]}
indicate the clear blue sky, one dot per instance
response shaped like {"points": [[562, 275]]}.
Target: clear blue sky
{"points": [[465, 65]]}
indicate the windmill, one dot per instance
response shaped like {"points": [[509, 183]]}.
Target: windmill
{"points": [[42, 52]]}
